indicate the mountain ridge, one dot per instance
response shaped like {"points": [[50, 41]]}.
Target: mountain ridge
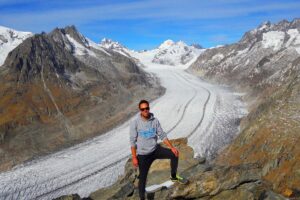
{"points": [[167, 53], [59, 89], [265, 65]]}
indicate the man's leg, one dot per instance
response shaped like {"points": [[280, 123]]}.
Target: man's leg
{"points": [[164, 153], [145, 162]]}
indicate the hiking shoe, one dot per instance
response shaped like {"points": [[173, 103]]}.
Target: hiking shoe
{"points": [[179, 179]]}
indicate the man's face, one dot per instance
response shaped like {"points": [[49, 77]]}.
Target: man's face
{"points": [[144, 108]]}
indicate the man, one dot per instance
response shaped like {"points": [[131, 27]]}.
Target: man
{"points": [[144, 131]]}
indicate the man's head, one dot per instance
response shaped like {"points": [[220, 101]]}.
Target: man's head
{"points": [[144, 108]]}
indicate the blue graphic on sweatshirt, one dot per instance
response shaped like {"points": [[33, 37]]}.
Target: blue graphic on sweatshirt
{"points": [[148, 133]]}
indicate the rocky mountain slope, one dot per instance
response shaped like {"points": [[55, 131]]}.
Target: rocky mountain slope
{"points": [[263, 58], [265, 64], [10, 39], [60, 88]]}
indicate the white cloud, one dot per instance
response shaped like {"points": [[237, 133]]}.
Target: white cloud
{"points": [[150, 10], [188, 9]]}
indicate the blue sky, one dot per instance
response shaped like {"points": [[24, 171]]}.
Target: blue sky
{"points": [[144, 24]]}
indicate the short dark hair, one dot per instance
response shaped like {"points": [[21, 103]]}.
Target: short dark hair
{"points": [[143, 101]]}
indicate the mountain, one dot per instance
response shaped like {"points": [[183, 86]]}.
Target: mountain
{"points": [[10, 39], [60, 88], [263, 57], [265, 65], [115, 46], [168, 53], [175, 53]]}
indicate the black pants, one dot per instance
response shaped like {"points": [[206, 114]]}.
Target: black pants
{"points": [[145, 162]]}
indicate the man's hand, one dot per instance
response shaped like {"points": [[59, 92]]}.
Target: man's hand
{"points": [[135, 162], [175, 151]]}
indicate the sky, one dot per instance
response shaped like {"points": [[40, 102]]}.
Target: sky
{"points": [[145, 24]]}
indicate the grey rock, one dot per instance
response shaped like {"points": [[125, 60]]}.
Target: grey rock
{"points": [[270, 195], [69, 197]]}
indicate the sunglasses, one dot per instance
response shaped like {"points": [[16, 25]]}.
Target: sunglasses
{"points": [[143, 109]]}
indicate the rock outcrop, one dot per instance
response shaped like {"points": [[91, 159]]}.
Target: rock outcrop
{"points": [[206, 181]]}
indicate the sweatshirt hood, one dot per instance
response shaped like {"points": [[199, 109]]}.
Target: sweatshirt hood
{"points": [[150, 118]]}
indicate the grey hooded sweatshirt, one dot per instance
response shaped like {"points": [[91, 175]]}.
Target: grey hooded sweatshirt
{"points": [[144, 134]]}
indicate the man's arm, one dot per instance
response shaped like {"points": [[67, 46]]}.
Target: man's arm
{"points": [[167, 142], [134, 157], [133, 139], [163, 136]]}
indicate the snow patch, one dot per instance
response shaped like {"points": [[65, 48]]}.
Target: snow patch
{"points": [[166, 44], [79, 49], [218, 46], [96, 46], [242, 51], [218, 57], [273, 39], [294, 39], [10, 39]]}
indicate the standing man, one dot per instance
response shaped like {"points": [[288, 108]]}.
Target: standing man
{"points": [[144, 131]]}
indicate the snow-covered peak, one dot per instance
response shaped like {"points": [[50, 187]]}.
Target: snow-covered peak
{"points": [[264, 25], [274, 37], [166, 44], [75, 42], [76, 35], [11, 33], [278, 39], [175, 53], [181, 43], [114, 46], [171, 53], [110, 44], [10, 39]]}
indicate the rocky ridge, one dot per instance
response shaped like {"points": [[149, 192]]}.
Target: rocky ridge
{"points": [[168, 53], [206, 181], [115, 46]]}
